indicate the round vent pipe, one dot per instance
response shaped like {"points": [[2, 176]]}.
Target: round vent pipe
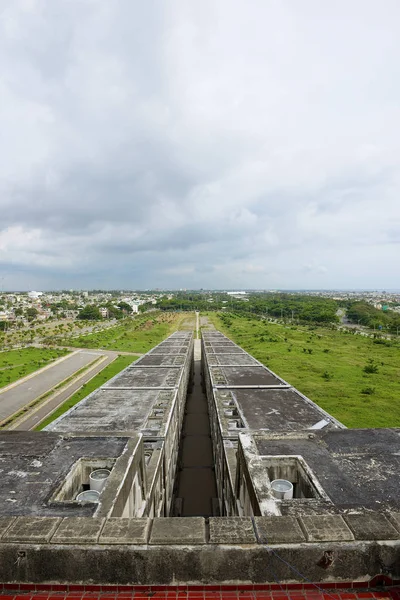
{"points": [[282, 489], [98, 479], [88, 496]]}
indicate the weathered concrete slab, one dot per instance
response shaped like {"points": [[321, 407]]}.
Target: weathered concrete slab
{"points": [[232, 530], [178, 530], [35, 463], [356, 468], [37, 530], [371, 526], [279, 530], [325, 528], [78, 530], [5, 523], [193, 564], [125, 531]]}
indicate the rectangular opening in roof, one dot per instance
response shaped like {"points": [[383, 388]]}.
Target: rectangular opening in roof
{"points": [[291, 469]]}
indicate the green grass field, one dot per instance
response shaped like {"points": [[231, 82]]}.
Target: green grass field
{"points": [[132, 335], [15, 364], [327, 366], [121, 362]]}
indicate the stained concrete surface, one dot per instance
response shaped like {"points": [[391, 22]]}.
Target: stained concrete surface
{"points": [[234, 359], [276, 409], [178, 531], [247, 375], [229, 530], [154, 360], [34, 464], [142, 377], [110, 410], [357, 468]]}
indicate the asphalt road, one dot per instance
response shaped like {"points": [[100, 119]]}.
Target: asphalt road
{"points": [[25, 392], [37, 415]]}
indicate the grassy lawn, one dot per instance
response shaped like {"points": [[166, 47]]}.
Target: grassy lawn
{"points": [[132, 335], [121, 362], [327, 366], [15, 364]]}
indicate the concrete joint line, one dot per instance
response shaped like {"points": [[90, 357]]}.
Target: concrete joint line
{"points": [[252, 387], [170, 387]]}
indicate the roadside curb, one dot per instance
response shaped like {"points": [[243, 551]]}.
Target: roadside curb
{"points": [[29, 413], [74, 392], [19, 381]]}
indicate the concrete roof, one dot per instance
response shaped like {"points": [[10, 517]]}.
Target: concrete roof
{"points": [[142, 377], [33, 464], [356, 468], [268, 409], [262, 399], [139, 398], [244, 375], [117, 410], [231, 359]]}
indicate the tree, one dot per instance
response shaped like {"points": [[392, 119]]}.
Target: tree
{"points": [[31, 313], [125, 307], [90, 313]]}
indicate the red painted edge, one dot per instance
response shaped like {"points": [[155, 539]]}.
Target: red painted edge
{"points": [[345, 590]]}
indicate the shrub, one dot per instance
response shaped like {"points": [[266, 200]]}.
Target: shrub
{"points": [[371, 367], [368, 391]]}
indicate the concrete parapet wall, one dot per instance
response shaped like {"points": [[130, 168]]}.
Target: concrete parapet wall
{"points": [[194, 550]]}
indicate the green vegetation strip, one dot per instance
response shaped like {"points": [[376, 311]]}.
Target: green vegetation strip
{"points": [[355, 378], [121, 362], [138, 335], [15, 364], [40, 399]]}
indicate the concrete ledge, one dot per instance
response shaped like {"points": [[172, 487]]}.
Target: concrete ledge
{"points": [[178, 530], [232, 530], [125, 531], [320, 528], [37, 530], [78, 530], [192, 530], [194, 564], [371, 526], [279, 530]]}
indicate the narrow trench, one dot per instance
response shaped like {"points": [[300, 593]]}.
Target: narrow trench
{"points": [[195, 485]]}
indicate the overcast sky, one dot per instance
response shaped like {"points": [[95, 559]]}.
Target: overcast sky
{"points": [[189, 144]]}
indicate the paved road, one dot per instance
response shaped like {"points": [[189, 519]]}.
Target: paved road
{"points": [[37, 415], [13, 399]]}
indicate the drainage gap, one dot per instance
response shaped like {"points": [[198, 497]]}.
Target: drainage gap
{"points": [[195, 491]]}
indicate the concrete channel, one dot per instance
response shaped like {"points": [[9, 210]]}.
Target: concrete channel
{"points": [[195, 485]]}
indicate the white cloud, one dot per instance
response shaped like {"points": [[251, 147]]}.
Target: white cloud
{"points": [[209, 144]]}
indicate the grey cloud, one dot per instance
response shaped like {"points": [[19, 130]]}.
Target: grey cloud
{"points": [[213, 144]]}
